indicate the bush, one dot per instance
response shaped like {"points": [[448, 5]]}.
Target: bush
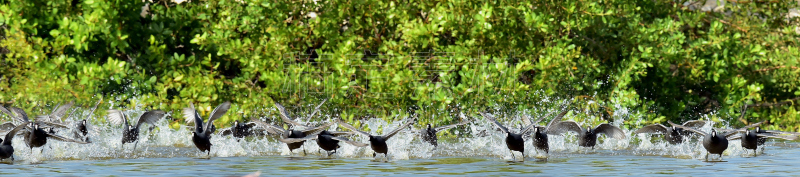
{"points": [[659, 59]]}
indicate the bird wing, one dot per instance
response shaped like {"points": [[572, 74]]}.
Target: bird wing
{"points": [[753, 125], [687, 128], [295, 140], [250, 124], [4, 110], [316, 109], [10, 135], [781, 132], [652, 129], [150, 117], [59, 125], [7, 126], [556, 119], [316, 130], [694, 123], [340, 133], [64, 139], [21, 115], [527, 120], [463, 122], [95, 108], [785, 137], [191, 116], [350, 142], [729, 133], [217, 113], [734, 137], [495, 122], [116, 117], [563, 127], [286, 118], [60, 111], [396, 130], [354, 129], [226, 131], [270, 128], [610, 130], [526, 130]]}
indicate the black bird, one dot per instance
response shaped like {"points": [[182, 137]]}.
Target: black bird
{"points": [[377, 143], [37, 136], [674, 135], [713, 143], [239, 130], [300, 135], [6, 150], [587, 138], [294, 139], [429, 133], [751, 139], [130, 133], [514, 141], [781, 134], [327, 140], [201, 136], [540, 133], [81, 132], [82, 126]]}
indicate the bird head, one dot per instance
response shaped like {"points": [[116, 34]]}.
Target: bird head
{"points": [[130, 127], [588, 129], [83, 122], [747, 133], [236, 123], [713, 133], [758, 129], [429, 126]]}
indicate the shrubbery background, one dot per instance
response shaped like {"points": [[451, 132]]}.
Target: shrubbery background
{"points": [[663, 60]]}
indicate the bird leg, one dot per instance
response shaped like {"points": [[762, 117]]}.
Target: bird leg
{"points": [[134, 145], [512, 156]]}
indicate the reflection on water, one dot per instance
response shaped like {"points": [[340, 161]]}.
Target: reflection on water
{"points": [[167, 151]]}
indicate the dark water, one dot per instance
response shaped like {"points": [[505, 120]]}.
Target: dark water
{"points": [[167, 152]]}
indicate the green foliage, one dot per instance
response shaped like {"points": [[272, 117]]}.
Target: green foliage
{"points": [[657, 58]]}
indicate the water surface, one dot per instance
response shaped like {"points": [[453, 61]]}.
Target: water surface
{"points": [[167, 152]]}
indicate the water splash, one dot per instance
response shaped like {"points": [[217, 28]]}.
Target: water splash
{"points": [[476, 139]]}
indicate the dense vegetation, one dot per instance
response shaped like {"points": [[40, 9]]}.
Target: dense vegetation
{"points": [[654, 60]]}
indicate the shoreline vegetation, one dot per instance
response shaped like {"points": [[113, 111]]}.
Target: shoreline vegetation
{"points": [[627, 62]]}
